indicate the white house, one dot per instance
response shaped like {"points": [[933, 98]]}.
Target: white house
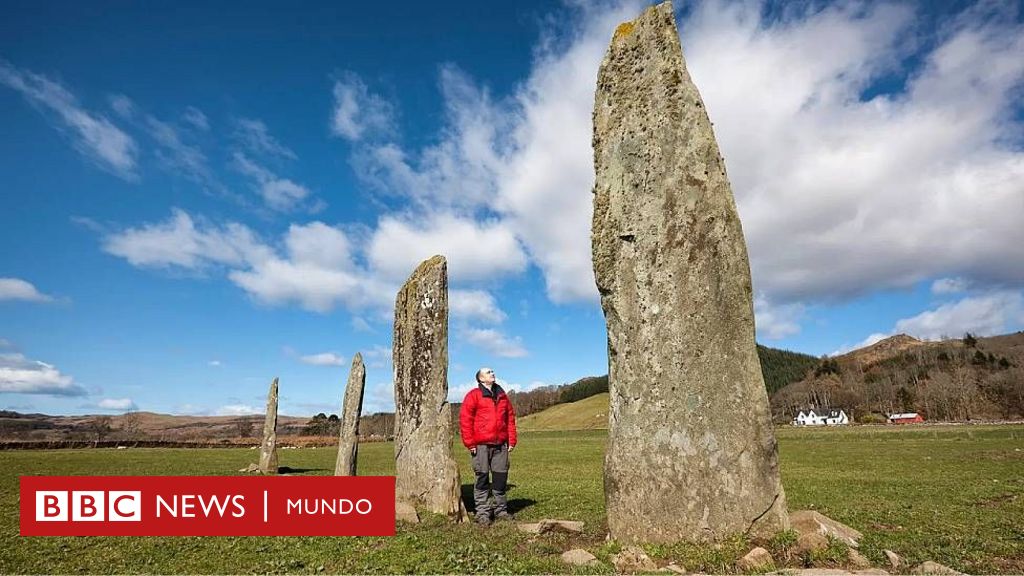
{"points": [[815, 417]]}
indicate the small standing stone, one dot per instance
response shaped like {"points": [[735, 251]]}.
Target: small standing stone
{"points": [[426, 474], [806, 521], [268, 450], [351, 410]]}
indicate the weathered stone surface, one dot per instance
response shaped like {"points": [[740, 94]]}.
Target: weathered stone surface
{"points": [[251, 468], [579, 557], [675, 568], [351, 410], [405, 512], [810, 542], [426, 474], [894, 559], [930, 567], [756, 559], [268, 449], [872, 572], [547, 525], [807, 521], [633, 559], [691, 450]]}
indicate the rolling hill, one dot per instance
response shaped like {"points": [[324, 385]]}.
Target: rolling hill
{"points": [[591, 413]]}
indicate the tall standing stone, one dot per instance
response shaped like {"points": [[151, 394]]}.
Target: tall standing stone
{"points": [[426, 473], [268, 450], [351, 410], [691, 452]]}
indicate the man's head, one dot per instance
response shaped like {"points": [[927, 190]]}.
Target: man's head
{"points": [[485, 376]]}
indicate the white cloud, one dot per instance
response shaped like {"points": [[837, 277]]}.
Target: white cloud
{"points": [[474, 305], [124, 404], [475, 250], [122, 105], [180, 157], [983, 315], [950, 285], [195, 117], [379, 397], [842, 196], [775, 322], [93, 134], [494, 342], [21, 375], [357, 112], [377, 357], [215, 363], [185, 243], [236, 410], [359, 324], [18, 289], [254, 136], [278, 193], [323, 359]]}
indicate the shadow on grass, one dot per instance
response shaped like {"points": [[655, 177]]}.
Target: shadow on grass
{"points": [[289, 470], [514, 504]]}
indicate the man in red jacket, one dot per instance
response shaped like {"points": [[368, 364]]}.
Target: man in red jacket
{"points": [[488, 425]]}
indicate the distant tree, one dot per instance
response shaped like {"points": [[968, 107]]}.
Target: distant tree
{"points": [[905, 398], [99, 428], [318, 426], [970, 340], [245, 428], [131, 425]]}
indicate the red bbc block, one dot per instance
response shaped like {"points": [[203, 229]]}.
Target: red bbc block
{"points": [[207, 505]]}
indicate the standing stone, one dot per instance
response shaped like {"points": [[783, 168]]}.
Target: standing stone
{"points": [[268, 450], [691, 452], [351, 410], [426, 473]]}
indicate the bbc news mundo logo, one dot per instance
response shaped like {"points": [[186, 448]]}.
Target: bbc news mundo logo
{"points": [[207, 506]]}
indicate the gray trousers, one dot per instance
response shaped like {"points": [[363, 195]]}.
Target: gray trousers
{"points": [[490, 463]]}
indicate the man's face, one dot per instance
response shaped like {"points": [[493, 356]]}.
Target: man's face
{"points": [[487, 376]]}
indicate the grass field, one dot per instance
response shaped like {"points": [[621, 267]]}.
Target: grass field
{"points": [[952, 494], [591, 413]]}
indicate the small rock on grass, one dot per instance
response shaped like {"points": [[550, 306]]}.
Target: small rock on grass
{"points": [[756, 559], [633, 559], [857, 560], [894, 559], [930, 567], [545, 526], [579, 557], [810, 542], [808, 521]]}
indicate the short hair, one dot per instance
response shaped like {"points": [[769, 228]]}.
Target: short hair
{"points": [[479, 372]]}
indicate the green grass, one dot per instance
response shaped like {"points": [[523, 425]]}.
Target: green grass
{"points": [[954, 495], [591, 413]]}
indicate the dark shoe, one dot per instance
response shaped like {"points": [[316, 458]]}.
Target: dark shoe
{"points": [[483, 521], [504, 516]]}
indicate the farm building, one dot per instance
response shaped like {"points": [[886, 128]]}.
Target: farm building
{"points": [[905, 418], [814, 417]]}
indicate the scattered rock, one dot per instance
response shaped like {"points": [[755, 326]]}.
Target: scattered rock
{"points": [[872, 572], [633, 559], [545, 526], [251, 468], [894, 559], [673, 273], [405, 512], [819, 572], [673, 567], [930, 567], [756, 559], [806, 521], [268, 449], [351, 410], [579, 557], [857, 560], [426, 474], [810, 542]]}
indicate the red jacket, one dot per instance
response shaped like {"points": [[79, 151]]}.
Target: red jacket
{"points": [[484, 420]]}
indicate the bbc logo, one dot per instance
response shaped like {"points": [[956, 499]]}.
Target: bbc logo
{"points": [[88, 506]]}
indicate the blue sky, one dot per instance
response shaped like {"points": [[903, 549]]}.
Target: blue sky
{"points": [[195, 201]]}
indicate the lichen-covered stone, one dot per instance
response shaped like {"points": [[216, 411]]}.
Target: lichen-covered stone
{"points": [[268, 449], [351, 410], [425, 469], [691, 451]]}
